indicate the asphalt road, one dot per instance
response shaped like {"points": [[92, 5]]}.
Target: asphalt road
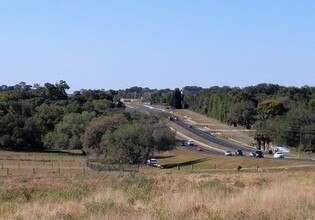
{"points": [[204, 150], [197, 132], [209, 137]]}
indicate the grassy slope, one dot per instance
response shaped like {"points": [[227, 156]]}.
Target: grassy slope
{"points": [[195, 161], [160, 196]]}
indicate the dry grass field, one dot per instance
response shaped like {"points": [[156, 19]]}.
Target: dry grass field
{"points": [[21, 163], [201, 193], [284, 195]]}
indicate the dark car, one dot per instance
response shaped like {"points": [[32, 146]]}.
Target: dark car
{"points": [[180, 143], [269, 151], [239, 153], [173, 118], [257, 154]]}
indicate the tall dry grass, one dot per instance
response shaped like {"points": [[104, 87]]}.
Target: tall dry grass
{"points": [[166, 196]]}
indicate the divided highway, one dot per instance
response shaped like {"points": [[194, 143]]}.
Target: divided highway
{"points": [[209, 137], [197, 132], [205, 136]]}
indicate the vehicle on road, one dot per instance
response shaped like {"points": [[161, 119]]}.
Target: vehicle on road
{"points": [[199, 149], [239, 153], [278, 155], [228, 153], [152, 162], [190, 143], [180, 143], [257, 154], [173, 118], [269, 151], [189, 126]]}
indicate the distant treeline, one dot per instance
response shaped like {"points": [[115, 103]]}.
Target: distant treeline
{"points": [[46, 117]]}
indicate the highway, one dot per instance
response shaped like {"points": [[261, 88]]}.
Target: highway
{"points": [[197, 132], [204, 150], [207, 136]]}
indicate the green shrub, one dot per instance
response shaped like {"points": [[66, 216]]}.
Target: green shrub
{"points": [[9, 195]]}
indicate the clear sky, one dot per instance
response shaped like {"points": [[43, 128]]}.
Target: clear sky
{"points": [[113, 44]]}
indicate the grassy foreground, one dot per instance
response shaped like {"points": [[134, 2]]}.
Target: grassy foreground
{"points": [[280, 190], [284, 195]]}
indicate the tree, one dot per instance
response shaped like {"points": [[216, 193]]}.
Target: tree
{"points": [[135, 143], [176, 99], [57, 91], [269, 108], [242, 113], [258, 138], [67, 133], [92, 137]]}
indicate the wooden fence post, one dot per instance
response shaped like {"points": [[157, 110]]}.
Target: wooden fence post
{"points": [[34, 170], [7, 171]]}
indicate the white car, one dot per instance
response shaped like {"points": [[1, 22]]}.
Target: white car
{"points": [[190, 143], [278, 155], [228, 153]]}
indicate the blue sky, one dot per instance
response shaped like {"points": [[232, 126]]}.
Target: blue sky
{"points": [[113, 44]]}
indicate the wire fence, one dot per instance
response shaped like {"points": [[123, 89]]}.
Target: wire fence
{"points": [[113, 167]]}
